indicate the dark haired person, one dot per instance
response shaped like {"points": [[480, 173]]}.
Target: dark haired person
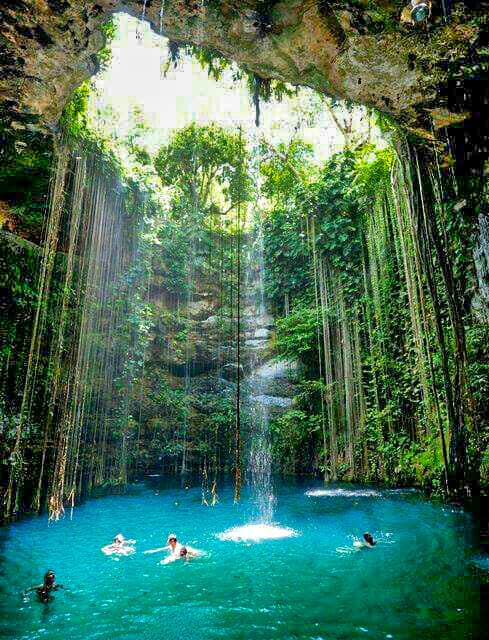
{"points": [[172, 545], [120, 546], [367, 543], [45, 589]]}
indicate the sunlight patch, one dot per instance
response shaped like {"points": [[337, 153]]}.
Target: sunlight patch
{"points": [[256, 533]]}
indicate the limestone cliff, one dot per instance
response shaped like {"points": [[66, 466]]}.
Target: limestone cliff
{"points": [[359, 50]]}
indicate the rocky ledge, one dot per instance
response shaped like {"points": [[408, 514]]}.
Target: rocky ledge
{"points": [[361, 50]]}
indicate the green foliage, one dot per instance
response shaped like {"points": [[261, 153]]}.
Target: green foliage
{"points": [[346, 216], [292, 434], [297, 334], [215, 63], [286, 256], [74, 117], [25, 164], [284, 169], [109, 30], [199, 160], [372, 172]]}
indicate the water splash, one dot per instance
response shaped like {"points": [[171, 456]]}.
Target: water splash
{"points": [[257, 533]]}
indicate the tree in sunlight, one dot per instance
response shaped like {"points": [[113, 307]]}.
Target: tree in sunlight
{"points": [[208, 166]]}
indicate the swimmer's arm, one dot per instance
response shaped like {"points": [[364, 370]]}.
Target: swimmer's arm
{"points": [[30, 589], [157, 550], [108, 548]]}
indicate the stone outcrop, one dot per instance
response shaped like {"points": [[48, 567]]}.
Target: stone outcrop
{"points": [[277, 385], [359, 50]]}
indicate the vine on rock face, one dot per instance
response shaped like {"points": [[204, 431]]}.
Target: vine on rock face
{"points": [[391, 369]]}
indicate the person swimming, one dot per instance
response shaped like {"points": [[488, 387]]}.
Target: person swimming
{"points": [[45, 589], [172, 545], [367, 543], [368, 540], [119, 546], [176, 550]]}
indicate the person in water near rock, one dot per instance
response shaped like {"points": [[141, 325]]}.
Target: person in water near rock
{"points": [[119, 546], [176, 550], [45, 589]]}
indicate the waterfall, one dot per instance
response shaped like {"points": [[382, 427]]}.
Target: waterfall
{"points": [[257, 329], [257, 324], [139, 33]]}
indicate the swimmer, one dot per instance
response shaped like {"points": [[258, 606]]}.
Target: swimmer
{"points": [[119, 546], [367, 543], [44, 590], [185, 554], [176, 550]]}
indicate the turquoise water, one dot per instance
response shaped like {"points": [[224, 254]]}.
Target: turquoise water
{"points": [[416, 583]]}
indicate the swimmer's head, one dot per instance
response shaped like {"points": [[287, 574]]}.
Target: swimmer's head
{"points": [[49, 578], [172, 540], [368, 538], [183, 552], [119, 538]]}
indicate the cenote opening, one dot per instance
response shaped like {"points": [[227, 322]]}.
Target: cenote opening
{"points": [[244, 284]]}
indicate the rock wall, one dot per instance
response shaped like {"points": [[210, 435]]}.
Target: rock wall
{"points": [[197, 338], [361, 50]]}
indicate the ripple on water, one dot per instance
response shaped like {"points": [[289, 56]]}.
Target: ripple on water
{"points": [[347, 493], [256, 533]]}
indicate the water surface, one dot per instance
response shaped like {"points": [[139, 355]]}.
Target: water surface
{"points": [[416, 583]]}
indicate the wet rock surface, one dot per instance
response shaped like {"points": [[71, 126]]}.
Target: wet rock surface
{"points": [[362, 51]]}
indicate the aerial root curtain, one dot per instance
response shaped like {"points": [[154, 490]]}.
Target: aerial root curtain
{"points": [[90, 276]]}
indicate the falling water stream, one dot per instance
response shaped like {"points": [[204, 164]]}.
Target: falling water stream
{"points": [[257, 331], [262, 524]]}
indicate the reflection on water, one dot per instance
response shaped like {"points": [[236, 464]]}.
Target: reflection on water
{"points": [[418, 582]]}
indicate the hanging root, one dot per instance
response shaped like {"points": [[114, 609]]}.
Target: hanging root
{"points": [[215, 498], [173, 53], [56, 508], [204, 487], [71, 500]]}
